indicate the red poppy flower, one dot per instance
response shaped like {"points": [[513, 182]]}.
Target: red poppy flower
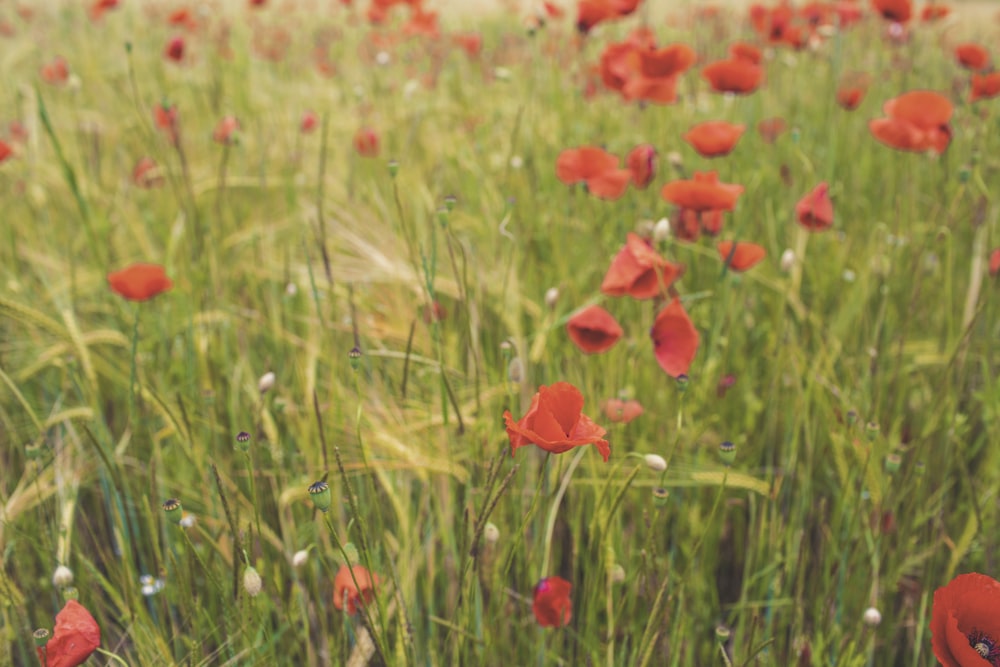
{"points": [[675, 340], [422, 22], [555, 423], [174, 50], [934, 12], [166, 119], [741, 256], [815, 210], [995, 262], [771, 128], [746, 51], [350, 595], [140, 282], [594, 330], [916, 121], [552, 10], [641, 161], [639, 71], [899, 11], [972, 56], [366, 142], [985, 86], [5, 151], [552, 606], [702, 193], [595, 167], [100, 7], [146, 173], [733, 76], [182, 18], [965, 621], [74, 638], [592, 12], [225, 130], [714, 138], [622, 411], [56, 72], [309, 122], [471, 43], [637, 271]]}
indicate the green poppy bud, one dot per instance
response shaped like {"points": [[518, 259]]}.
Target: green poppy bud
{"points": [[355, 357]]}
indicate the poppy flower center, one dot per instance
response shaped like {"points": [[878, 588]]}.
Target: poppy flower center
{"points": [[985, 646]]}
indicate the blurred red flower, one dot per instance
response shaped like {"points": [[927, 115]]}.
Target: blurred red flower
{"points": [[309, 122], [637, 70], [74, 638], [555, 422], [174, 50], [146, 173], [916, 121], [641, 161], [972, 56], [226, 129], [182, 18], [594, 330], [100, 7], [621, 411], [675, 340], [714, 138], [551, 605], [166, 119], [140, 282], [995, 262], [852, 89], [56, 71], [637, 271], [771, 128], [733, 76], [348, 595], [965, 621], [985, 86], [595, 167], [815, 210], [366, 142], [591, 12], [899, 11], [471, 43], [6, 152], [740, 256], [746, 51], [552, 10], [934, 12], [703, 192]]}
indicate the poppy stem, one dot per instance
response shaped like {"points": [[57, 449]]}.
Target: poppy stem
{"points": [[554, 510], [134, 370]]}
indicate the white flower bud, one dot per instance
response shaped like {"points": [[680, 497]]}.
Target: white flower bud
{"points": [[551, 297], [266, 382], [300, 558], [252, 583], [872, 617], [661, 230], [787, 260], [62, 577], [491, 533], [655, 462]]}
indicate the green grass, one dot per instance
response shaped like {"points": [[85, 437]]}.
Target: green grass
{"points": [[884, 345]]}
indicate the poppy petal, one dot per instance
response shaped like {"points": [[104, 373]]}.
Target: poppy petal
{"points": [[675, 340]]}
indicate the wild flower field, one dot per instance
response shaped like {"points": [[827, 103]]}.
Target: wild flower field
{"points": [[586, 332]]}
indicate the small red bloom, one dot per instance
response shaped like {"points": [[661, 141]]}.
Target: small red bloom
{"points": [[641, 161], [771, 128], [741, 256], [471, 43], [965, 621], [366, 142], [675, 340], [174, 49], [309, 122], [166, 119], [552, 10], [703, 193], [985, 86], [140, 282], [972, 56], [852, 90], [347, 594], [5, 151], [226, 129], [595, 167], [100, 7], [637, 271], [56, 72], [74, 638], [995, 262], [934, 12], [733, 76], [815, 210], [146, 173], [622, 411], [552, 606], [714, 138], [555, 422], [594, 330]]}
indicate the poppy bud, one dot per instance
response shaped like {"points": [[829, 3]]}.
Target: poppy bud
{"points": [[33, 451], [354, 356], [252, 583], [491, 533], [727, 452], [551, 297], [787, 260], [852, 417], [393, 167], [871, 430], [172, 508], [319, 492], [41, 636], [722, 633], [449, 202], [515, 370], [660, 496], [872, 617], [892, 463], [243, 441], [655, 462], [265, 383], [62, 577], [300, 558], [661, 230]]}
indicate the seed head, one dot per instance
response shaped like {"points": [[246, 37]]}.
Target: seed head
{"points": [[727, 452], [252, 583], [172, 508], [41, 636], [62, 577], [320, 494]]}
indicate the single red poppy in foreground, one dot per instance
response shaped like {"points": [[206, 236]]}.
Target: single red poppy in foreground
{"points": [[735, 75], [972, 56], [641, 161], [366, 142], [552, 606], [595, 167], [621, 411], [74, 638], [703, 192], [815, 210], [985, 86], [741, 256], [637, 271], [965, 621], [555, 422], [714, 138], [675, 340], [915, 121], [594, 330], [140, 282], [348, 595]]}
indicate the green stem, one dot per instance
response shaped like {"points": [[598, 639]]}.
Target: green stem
{"points": [[134, 370]]}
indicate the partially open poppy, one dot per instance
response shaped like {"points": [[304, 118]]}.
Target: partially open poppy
{"points": [[815, 210], [741, 256], [592, 12], [965, 621], [985, 86], [595, 167], [639, 272], [74, 638], [972, 56], [555, 422], [703, 192], [594, 330], [915, 121], [552, 605], [641, 161], [349, 596], [899, 11], [622, 411], [140, 282], [714, 138], [738, 76], [675, 340]]}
